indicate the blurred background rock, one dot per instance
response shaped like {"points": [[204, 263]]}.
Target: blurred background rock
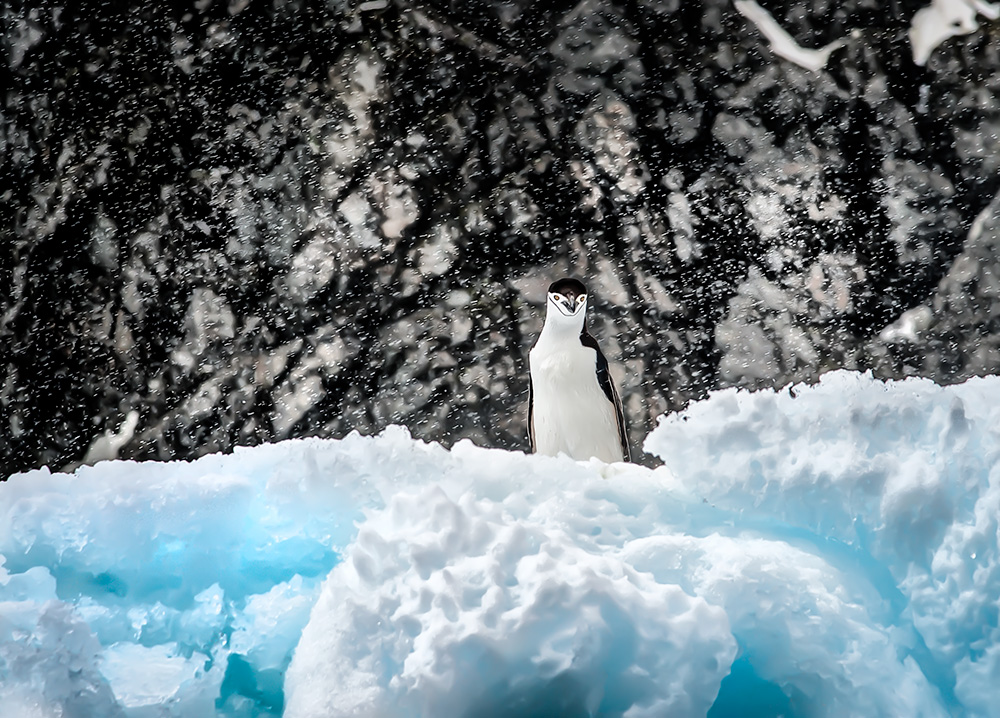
{"points": [[232, 223]]}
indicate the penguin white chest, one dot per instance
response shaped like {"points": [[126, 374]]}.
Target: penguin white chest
{"points": [[570, 411]]}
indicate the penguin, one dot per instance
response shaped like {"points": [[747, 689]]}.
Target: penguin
{"points": [[573, 405]]}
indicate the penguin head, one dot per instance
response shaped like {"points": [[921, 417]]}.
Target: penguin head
{"points": [[567, 301]]}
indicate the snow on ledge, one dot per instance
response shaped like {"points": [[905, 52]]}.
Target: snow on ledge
{"points": [[782, 43], [942, 19]]}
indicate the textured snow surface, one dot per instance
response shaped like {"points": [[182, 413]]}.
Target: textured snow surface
{"points": [[823, 551]]}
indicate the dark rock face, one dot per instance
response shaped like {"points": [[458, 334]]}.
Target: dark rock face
{"points": [[237, 223]]}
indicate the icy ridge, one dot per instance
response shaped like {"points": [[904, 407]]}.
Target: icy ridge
{"points": [[903, 475]]}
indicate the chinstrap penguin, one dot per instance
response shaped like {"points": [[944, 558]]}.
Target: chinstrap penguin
{"points": [[573, 405]]}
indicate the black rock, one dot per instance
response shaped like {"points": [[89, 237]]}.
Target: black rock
{"points": [[228, 224]]}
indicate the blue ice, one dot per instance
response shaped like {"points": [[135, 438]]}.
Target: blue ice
{"points": [[827, 551]]}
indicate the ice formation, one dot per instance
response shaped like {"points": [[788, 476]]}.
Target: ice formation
{"points": [[822, 551]]}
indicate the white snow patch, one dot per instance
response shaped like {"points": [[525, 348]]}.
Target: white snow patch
{"points": [[108, 444], [782, 44], [943, 19], [909, 325]]}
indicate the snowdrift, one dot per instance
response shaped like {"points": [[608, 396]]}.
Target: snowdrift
{"points": [[822, 551]]}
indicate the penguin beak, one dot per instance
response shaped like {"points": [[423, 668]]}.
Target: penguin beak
{"points": [[568, 306]]}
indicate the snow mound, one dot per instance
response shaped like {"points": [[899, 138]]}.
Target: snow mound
{"points": [[896, 484], [476, 606], [819, 551]]}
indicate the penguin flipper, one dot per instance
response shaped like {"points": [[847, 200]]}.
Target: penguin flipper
{"points": [[608, 387], [531, 415]]}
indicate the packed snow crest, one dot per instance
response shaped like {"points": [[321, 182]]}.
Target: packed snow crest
{"points": [[818, 551]]}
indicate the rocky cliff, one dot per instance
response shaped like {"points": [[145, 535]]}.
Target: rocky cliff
{"points": [[227, 224]]}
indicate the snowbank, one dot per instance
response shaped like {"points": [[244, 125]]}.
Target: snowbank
{"points": [[895, 484], [826, 551]]}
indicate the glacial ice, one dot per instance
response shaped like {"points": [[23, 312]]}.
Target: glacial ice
{"points": [[824, 551]]}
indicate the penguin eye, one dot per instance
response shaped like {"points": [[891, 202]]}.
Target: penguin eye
{"points": [[556, 296], [581, 299]]}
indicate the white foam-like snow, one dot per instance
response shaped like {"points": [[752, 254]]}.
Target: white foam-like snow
{"points": [[500, 606], [821, 551]]}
